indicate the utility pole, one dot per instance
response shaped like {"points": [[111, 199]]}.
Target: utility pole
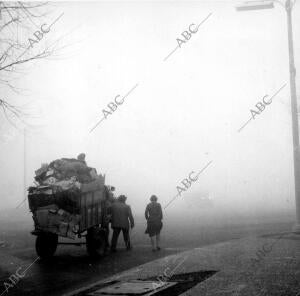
{"points": [[24, 165], [295, 126], [257, 5]]}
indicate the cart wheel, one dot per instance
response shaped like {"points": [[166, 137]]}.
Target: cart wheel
{"points": [[95, 242], [46, 244]]}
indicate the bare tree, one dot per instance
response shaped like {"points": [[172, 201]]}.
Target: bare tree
{"points": [[23, 26]]}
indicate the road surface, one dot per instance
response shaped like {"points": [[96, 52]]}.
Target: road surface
{"points": [[71, 268]]}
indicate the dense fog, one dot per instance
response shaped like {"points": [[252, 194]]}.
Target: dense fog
{"points": [[183, 114]]}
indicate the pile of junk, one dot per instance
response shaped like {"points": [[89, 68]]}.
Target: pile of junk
{"points": [[55, 199]]}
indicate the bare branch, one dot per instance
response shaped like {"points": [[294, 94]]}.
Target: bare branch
{"points": [[8, 23], [18, 46]]}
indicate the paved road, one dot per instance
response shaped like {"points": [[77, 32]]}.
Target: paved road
{"points": [[267, 265], [71, 268]]}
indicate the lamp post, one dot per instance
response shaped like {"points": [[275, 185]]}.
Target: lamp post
{"points": [[255, 5], [24, 164]]}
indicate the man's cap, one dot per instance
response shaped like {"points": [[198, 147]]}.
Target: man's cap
{"points": [[153, 198], [122, 197]]}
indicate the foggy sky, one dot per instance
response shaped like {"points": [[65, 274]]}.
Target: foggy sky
{"points": [[185, 111]]}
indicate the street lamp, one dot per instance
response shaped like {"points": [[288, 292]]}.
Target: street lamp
{"points": [[255, 5]]}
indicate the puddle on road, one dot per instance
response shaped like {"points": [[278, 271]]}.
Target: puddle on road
{"points": [[175, 285]]}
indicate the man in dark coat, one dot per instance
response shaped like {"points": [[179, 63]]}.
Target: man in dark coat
{"points": [[121, 216]]}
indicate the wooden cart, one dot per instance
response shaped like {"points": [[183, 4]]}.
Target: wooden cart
{"points": [[91, 221]]}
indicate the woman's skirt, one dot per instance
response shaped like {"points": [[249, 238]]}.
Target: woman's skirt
{"points": [[153, 227]]}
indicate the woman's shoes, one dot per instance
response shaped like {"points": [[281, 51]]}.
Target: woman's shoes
{"points": [[157, 249]]}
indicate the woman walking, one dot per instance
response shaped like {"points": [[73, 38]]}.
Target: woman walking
{"points": [[153, 215]]}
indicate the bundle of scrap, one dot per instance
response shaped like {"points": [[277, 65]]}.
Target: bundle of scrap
{"points": [[54, 200]]}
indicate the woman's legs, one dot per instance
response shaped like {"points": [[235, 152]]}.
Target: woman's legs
{"points": [[158, 241], [152, 242]]}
